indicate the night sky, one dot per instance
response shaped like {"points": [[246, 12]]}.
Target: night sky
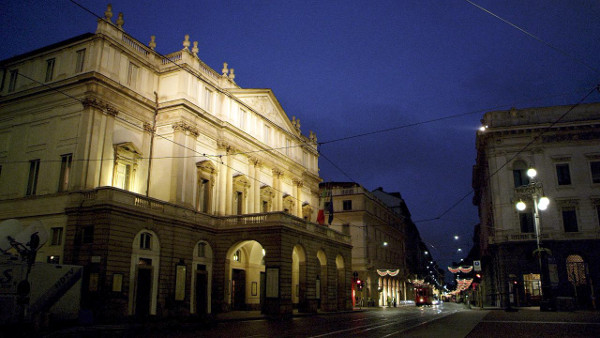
{"points": [[414, 76]]}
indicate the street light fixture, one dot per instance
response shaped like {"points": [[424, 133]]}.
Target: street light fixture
{"points": [[534, 190]]}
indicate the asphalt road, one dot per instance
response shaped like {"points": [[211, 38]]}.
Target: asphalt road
{"points": [[447, 321]]}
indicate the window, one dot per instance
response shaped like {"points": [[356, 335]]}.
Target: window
{"points": [[126, 159], [288, 147], [80, 61], [265, 206], [563, 174], [65, 170], [532, 284], [201, 249], [242, 118], [237, 203], [347, 204], [56, 236], [267, 134], [132, 73], [12, 82], [208, 99], [237, 256], [49, 69], [569, 217], [203, 195], [595, 170], [326, 206], [520, 173], [34, 170], [123, 176], [576, 270], [526, 221], [53, 259], [521, 178], [88, 234], [305, 159], [146, 241]]}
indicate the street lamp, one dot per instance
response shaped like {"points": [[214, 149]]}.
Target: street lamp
{"points": [[535, 191]]}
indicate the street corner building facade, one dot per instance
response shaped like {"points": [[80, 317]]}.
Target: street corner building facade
{"points": [[540, 230], [384, 241], [176, 190]]}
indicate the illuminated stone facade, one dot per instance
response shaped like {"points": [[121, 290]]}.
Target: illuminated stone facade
{"points": [[563, 144], [154, 171], [379, 242]]}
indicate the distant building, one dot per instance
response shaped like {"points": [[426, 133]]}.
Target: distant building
{"points": [[383, 240], [178, 191], [563, 144]]}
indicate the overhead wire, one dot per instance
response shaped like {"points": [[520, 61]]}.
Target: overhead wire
{"points": [[534, 37]]}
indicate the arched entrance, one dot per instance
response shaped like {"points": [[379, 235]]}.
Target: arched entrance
{"points": [[321, 281], [202, 267], [299, 278], [244, 275], [143, 274]]}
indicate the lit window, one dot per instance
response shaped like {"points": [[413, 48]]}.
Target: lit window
{"points": [[563, 174], [50, 69], [126, 159], [34, 170], [595, 170], [12, 82], [56, 236], [65, 170], [146, 241], [569, 216], [132, 74], [237, 256], [80, 61]]}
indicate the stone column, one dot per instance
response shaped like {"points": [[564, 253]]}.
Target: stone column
{"points": [[278, 203], [299, 184]]}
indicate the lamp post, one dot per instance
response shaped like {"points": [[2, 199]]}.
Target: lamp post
{"points": [[535, 191]]}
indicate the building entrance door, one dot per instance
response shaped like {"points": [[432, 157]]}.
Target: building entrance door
{"points": [[201, 292], [144, 291], [238, 286]]}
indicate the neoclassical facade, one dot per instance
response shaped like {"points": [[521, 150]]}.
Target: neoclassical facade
{"points": [[379, 242], [178, 191], [563, 144]]}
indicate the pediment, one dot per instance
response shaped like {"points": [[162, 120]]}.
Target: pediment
{"points": [[264, 102]]}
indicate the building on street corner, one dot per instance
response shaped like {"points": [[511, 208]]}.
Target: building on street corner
{"points": [[386, 256], [177, 191], [539, 229]]}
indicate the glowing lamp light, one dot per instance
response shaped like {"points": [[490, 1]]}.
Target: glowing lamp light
{"points": [[521, 206], [543, 203], [531, 172], [385, 243]]}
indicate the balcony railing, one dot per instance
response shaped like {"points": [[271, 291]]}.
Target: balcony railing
{"points": [[129, 199]]}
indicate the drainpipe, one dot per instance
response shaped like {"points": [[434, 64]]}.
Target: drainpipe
{"points": [[152, 143]]}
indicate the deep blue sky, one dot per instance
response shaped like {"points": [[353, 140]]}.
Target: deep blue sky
{"points": [[351, 67]]}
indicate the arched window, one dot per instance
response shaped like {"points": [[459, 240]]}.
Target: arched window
{"points": [[520, 173], [576, 270], [237, 256], [146, 241]]}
